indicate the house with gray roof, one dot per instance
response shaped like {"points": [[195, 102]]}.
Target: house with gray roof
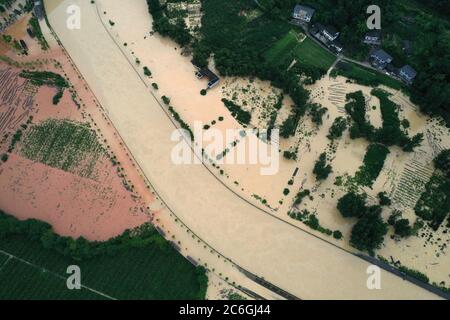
{"points": [[373, 37], [380, 58], [330, 33], [303, 13], [407, 74]]}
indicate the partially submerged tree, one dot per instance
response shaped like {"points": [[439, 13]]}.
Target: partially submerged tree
{"points": [[368, 233], [352, 205]]}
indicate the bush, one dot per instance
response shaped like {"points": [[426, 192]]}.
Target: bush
{"points": [[4, 157], [321, 168], [352, 205], [57, 97], [147, 71], [337, 234], [203, 92], [166, 100], [317, 112], [290, 155]]}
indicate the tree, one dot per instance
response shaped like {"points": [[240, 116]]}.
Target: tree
{"points": [[317, 112], [412, 143], [384, 199], [321, 168], [147, 71], [442, 162], [403, 228], [337, 128], [368, 233], [352, 205]]}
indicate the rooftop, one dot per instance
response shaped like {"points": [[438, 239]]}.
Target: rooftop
{"points": [[382, 55], [307, 10], [409, 71]]}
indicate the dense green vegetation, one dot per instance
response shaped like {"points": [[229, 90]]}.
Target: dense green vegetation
{"points": [[244, 117], [63, 144], [424, 23], [384, 199], [434, 203], [337, 128], [442, 162], [368, 233], [162, 24], [47, 78], [372, 165], [181, 122], [352, 205], [140, 262], [36, 28], [41, 78], [321, 168], [391, 133]]}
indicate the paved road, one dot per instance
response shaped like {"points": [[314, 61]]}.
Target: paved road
{"points": [[293, 260]]}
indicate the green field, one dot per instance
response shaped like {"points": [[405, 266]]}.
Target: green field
{"points": [[306, 52], [282, 49], [310, 53], [127, 267], [365, 76], [63, 144]]}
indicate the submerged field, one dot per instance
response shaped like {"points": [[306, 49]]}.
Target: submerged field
{"points": [[63, 144]]}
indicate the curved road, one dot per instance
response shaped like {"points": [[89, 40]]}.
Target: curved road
{"points": [[295, 261]]}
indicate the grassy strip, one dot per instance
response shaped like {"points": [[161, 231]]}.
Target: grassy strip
{"points": [[365, 76]]}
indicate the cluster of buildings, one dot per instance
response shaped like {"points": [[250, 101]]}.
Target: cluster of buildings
{"points": [[328, 35], [325, 34], [382, 60]]}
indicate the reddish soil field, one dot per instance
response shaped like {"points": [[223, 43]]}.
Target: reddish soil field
{"points": [[97, 207]]}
